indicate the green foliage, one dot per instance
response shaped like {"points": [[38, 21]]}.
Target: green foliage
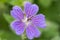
{"points": [[52, 13], [51, 29], [17, 2], [57, 37], [8, 18], [4, 35], [45, 3], [3, 1]]}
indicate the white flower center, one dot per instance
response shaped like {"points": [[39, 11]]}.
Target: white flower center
{"points": [[25, 20]]}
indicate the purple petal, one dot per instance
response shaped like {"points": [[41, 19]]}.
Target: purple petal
{"points": [[39, 20], [32, 32], [18, 27], [31, 9], [37, 33], [17, 12], [27, 6]]}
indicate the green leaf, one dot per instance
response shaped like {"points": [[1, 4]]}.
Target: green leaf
{"points": [[53, 12], [56, 38], [4, 1], [4, 35], [45, 3], [16, 2], [19, 2], [8, 18], [30, 1], [51, 29]]}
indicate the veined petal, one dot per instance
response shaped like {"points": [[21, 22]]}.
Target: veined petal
{"points": [[31, 9], [17, 13], [18, 27], [39, 20], [27, 6], [32, 32], [37, 32]]}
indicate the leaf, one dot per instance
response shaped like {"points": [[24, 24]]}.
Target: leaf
{"points": [[53, 12], [4, 1], [51, 29], [8, 18], [19, 2], [45, 3], [56, 38], [4, 35], [16, 2]]}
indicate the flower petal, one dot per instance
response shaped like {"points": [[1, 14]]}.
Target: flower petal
{"points": [[37, 33], [18, 27], [17, 12], [31, 9], [32, 32], [27, 6], [39, 20]]}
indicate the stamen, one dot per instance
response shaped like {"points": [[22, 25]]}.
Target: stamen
{"points": [[26, 20]]}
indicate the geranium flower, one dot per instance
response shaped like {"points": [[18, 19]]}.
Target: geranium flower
{"points": [[27, 20]]}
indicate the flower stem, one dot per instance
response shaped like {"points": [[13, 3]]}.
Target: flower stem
{"points": [[23, 36]]}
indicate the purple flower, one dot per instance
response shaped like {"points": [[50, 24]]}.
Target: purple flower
{"points": [[27, 20]]}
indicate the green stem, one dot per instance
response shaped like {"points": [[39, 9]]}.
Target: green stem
{"points": [[23, 36]]}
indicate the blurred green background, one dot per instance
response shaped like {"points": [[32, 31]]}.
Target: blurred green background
{"points": [[50, 8]]}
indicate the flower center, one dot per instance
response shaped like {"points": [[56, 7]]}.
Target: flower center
{"points": [[26, 20]]}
